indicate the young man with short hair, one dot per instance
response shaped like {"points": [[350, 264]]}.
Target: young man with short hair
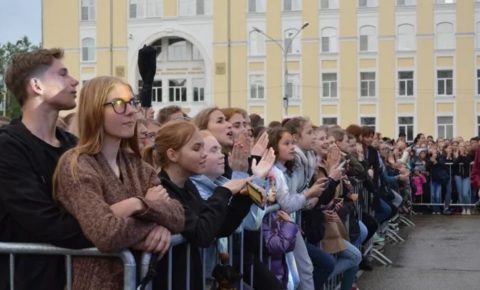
{"points": [[30, 149]]}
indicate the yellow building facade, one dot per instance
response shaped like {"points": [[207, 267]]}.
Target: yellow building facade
{"points": [[405, 66]]}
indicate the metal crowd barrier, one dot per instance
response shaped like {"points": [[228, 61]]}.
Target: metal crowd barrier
{"points": [[446, 198], [129, 273]]}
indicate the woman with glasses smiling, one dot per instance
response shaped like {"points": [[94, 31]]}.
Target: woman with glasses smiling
{"points": [[115, 196]]}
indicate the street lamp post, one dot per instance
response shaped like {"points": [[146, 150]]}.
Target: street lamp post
{"points": [[285, 50]]}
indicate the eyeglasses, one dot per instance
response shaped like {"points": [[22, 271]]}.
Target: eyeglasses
{"points": [[120, 105]]}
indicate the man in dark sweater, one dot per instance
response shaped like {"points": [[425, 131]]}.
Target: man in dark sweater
{"points": [[30, 149]]}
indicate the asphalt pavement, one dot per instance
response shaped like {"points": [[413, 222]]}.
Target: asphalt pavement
{"points": [[441, 252]]}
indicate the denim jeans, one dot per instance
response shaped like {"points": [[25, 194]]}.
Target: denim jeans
{"points": [[436, 195], [323, 264], [347, 263], [363, 234], [464, 190], [383, 212]]}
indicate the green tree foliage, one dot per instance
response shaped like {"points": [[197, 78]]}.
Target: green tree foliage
{"points": [[7, 50]]}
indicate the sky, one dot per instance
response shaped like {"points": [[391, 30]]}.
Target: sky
{"points": [[19, 18]]}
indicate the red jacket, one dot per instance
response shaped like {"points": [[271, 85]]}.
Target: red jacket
{"points": [[475, 175]]}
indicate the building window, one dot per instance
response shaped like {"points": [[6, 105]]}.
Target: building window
{"points": [[406, 2], [367, 3], [88, 10], [329, 85], [445, 127], [405, 126], [157, 91], [329, 121], [445, 37], [445, 1], [257, 87], [136, 9], [195, 7], [368, 122], [329, 4], [154, 8], [478, 83], [291, 5], [257, 6], [478, 125], [293, 86], [405, 83], [329, 39], [88, 49], [368, 38], [293, 47], [177, 90], [444, 83], [406, 37], [180, 49], [367, 84], [257, 43], [198, 85]]}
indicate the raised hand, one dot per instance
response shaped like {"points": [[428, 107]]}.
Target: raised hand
{"points": [[259, 148], [261, 169], [333, 157], [238, 159]]}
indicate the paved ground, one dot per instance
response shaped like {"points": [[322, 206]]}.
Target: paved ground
{"points": [[441, 252]]}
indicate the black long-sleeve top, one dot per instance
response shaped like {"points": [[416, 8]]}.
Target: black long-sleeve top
{"points": [[205, 220], [28, 212]]}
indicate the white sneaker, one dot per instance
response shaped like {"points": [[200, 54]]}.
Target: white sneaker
{"points": [[464, 211], [469, 212]]}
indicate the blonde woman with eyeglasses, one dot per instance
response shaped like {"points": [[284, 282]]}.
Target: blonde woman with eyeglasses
{"points": [[115, 196]]}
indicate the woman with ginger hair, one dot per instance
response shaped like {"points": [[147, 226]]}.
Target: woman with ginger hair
{"points": [[115, 196], [181, 154]]}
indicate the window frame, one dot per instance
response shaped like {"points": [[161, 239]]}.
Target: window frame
{"points": [[257, 80], [406, 127], [369, 82], [91, 10], [329, 84], [408, 82], [87, 51], [444, 125], [445, 81]]}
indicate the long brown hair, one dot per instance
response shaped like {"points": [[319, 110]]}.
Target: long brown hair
{"points": [[274, 136], [90, 120], [202, 118], [173, 135]]}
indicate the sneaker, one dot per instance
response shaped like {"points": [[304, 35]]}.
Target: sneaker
{"points": [[464, 211], [378, 239], [468, 212], [447, 212]]}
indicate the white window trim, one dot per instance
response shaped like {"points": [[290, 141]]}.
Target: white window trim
{"points": [[249, 98], [367, 98], [436, 95], [454, 129], [94, 59], [328, 116], [397, 125], [398, 84]]}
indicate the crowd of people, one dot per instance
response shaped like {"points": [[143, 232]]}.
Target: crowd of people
{"points": [[114, 175]]}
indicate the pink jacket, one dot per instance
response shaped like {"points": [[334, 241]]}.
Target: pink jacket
{"points": [[418, 182]]}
